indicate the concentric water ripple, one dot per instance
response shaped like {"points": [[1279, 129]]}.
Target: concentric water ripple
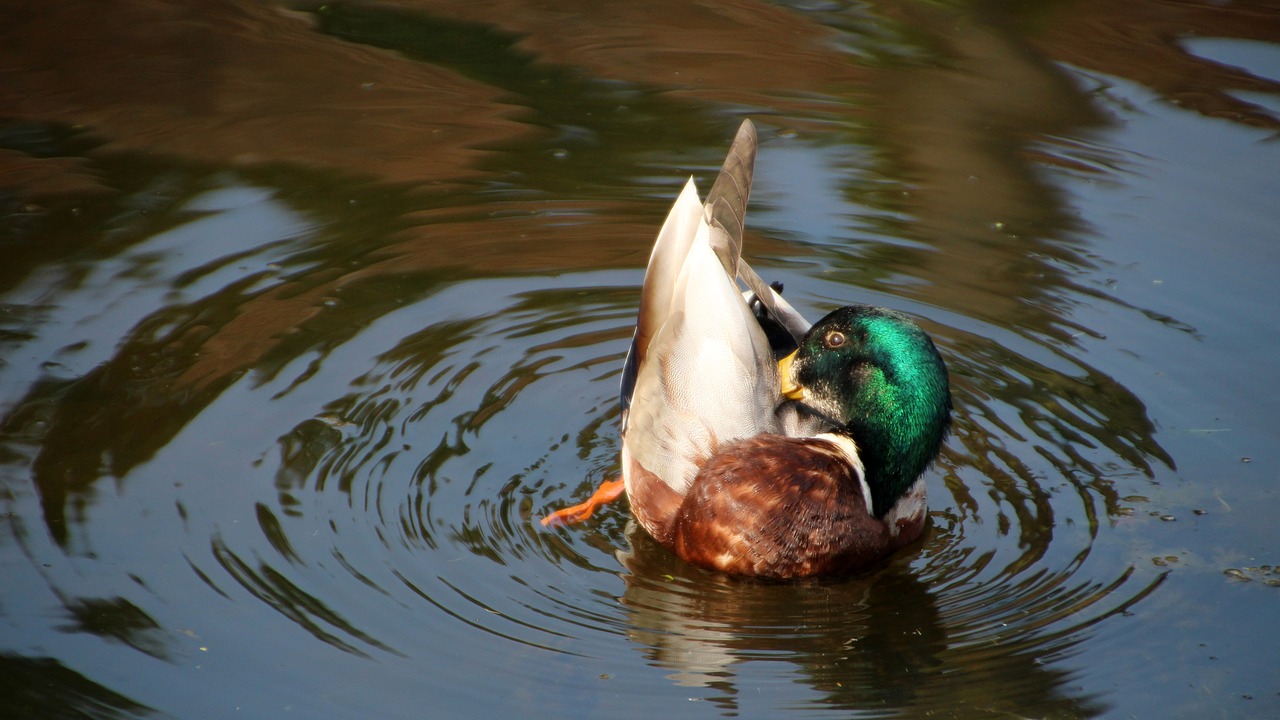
{"points": [[373, 476], [406, 508]]}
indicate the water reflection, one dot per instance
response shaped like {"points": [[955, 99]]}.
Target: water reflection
{"points": [[1144, 42], [246, 84], [274, 589], [119, 619], [43, 687], [887, 640], [843, 635]]}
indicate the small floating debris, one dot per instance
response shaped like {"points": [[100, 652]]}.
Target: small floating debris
{"points": [[1268, 574]]}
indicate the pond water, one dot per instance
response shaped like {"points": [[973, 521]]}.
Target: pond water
{"points": [[309, 312]]}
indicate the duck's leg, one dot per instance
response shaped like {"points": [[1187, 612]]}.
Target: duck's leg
{"points": [[608, 491]]}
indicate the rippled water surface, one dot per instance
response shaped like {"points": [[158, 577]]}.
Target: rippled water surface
{"points": [[309, 312]]}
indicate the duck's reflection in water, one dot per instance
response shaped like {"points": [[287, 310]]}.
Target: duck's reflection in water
{"points": [[872, 640]]}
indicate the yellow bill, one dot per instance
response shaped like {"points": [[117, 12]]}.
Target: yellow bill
{"points": [[790, 389]]}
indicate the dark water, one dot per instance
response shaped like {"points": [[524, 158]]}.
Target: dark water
{"points": [[309, 312]]}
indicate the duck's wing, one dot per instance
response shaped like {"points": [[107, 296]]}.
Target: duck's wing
{"points": [[726, 206], [726, 211], [700, 371], [706, 375]]}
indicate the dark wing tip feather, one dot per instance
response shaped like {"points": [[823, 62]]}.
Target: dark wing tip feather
{"points": [[726, 205]]}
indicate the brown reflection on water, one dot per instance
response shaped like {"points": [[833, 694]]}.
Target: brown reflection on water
{"points": [[245, 83], [753, 53], [956, 133], [1140, 41]]}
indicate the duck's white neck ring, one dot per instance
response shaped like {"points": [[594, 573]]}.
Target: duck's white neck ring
{"points": [[849, 449]]}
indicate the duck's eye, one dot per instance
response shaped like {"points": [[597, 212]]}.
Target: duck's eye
{"points": [[834, 339]]}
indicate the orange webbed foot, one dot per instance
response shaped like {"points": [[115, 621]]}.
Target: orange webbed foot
{"points": [[608, 491]]}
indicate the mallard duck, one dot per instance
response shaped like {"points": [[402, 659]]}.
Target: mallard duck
{"points": [[744, 463]]}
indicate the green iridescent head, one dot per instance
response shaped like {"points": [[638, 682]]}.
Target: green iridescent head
{"points": [[878, 376]]}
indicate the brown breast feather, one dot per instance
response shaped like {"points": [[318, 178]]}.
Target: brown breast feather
{"points": [[780, 507]]}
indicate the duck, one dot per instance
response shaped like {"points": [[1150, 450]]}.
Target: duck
{"points": [[753, 442]]}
